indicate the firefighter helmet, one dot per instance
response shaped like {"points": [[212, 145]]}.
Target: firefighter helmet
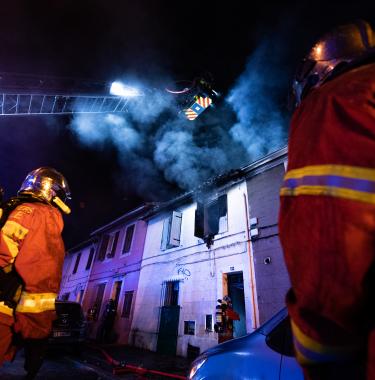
{"points": [[48, 185], [342, 47]]}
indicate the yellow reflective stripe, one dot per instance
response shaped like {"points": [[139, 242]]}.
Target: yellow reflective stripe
{"points": [[13, 234], [339, 170], [36, 302], [330, 191], [5, 309], [316, 350]]}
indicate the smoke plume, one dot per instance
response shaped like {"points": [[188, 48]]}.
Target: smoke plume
{"points": [[158, 147]]}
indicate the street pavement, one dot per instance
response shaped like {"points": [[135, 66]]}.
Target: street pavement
{"points": [[94, 363]]}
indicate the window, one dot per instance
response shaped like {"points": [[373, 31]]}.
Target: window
{"points": [[127, 304], [79, 296], [108, 245], [280, 339], [103, 247], [116, 291], [209, 322], [91, 256], [171, 289], [211, 218], [128, 238], [99, 297], [112, 244], [171, 231], [77, 263], [189, 327]]}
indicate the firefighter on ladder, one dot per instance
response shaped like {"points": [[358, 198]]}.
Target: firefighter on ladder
{"points": [[31, 259], [327, 213]]}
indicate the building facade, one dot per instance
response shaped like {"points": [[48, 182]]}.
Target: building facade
{"points": [[167, 265], [218, 240]]}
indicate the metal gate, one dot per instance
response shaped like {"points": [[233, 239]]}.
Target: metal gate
{"points": [[168, 329]]}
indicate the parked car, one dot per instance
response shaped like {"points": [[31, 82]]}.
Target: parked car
{"points": [[70, 325], [265, 354]]}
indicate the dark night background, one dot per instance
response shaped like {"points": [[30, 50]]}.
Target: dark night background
{"points": [[105, 40]]}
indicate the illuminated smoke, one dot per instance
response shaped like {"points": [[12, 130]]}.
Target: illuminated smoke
{"points": [[158, 147], [258, 99]]}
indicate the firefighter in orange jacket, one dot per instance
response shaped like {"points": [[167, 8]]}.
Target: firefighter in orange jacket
{"points": [[327, 213], [31, 258]]}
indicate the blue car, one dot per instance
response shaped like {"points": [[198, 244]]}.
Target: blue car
{"points": [[265, 354]]}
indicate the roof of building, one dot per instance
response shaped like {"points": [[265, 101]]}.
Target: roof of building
{"points": [[223, 180]]}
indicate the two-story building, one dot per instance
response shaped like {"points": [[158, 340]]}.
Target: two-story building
{"points": [[110, 271], [220, 239]]}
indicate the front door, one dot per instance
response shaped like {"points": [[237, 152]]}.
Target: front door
{"points": [[169, 319], [168, 330]]}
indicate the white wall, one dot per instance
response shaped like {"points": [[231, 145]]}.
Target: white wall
{"points": [[199, 269]]}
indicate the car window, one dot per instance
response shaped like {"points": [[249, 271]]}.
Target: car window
{"points": [[280, 339], [273, 322], [72, 309]]}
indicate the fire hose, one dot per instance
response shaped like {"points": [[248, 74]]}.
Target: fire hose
{"points": [[119, 367]]}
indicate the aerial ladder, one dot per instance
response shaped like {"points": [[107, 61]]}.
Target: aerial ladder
{"points": [[23, 95]]}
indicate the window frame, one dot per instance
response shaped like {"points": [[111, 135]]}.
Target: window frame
{"points": [[90, 258], [129, 304], [187, 327], [76, 264], [128, 252]]}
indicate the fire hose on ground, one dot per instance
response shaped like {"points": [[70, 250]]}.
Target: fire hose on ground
{"points": [[119, 367]]}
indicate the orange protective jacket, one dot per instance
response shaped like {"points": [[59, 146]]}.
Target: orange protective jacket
{"points": [[31, 241], [327, 219]]}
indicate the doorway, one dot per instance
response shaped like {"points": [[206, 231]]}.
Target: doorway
{"points": [[236, 292]]}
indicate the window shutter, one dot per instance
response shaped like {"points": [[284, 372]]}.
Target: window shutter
{"points": [[175, 229], [223, 213], [199, 221], [212, 219], [103, 247], [165, 235]]}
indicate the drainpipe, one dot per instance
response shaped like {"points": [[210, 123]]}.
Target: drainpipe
{"points": [[251, 258]]}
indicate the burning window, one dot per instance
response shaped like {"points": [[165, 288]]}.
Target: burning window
{"points": [[211, 218], [171, 231]]}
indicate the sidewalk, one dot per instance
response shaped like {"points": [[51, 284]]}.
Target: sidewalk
{"points": [[135, 357]]}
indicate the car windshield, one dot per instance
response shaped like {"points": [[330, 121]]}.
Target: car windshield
{"points": [[72, 309], [273, 322]]}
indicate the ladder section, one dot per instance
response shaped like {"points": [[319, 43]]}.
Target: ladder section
{"points": [[46, 104]]}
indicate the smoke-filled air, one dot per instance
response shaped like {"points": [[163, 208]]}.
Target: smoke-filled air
{"points": [[157, 145]]}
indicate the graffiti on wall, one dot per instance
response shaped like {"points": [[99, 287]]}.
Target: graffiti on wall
{"points": [[184, 272]]}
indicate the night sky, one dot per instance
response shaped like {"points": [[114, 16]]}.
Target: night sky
{"points": [[251, 52]]}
